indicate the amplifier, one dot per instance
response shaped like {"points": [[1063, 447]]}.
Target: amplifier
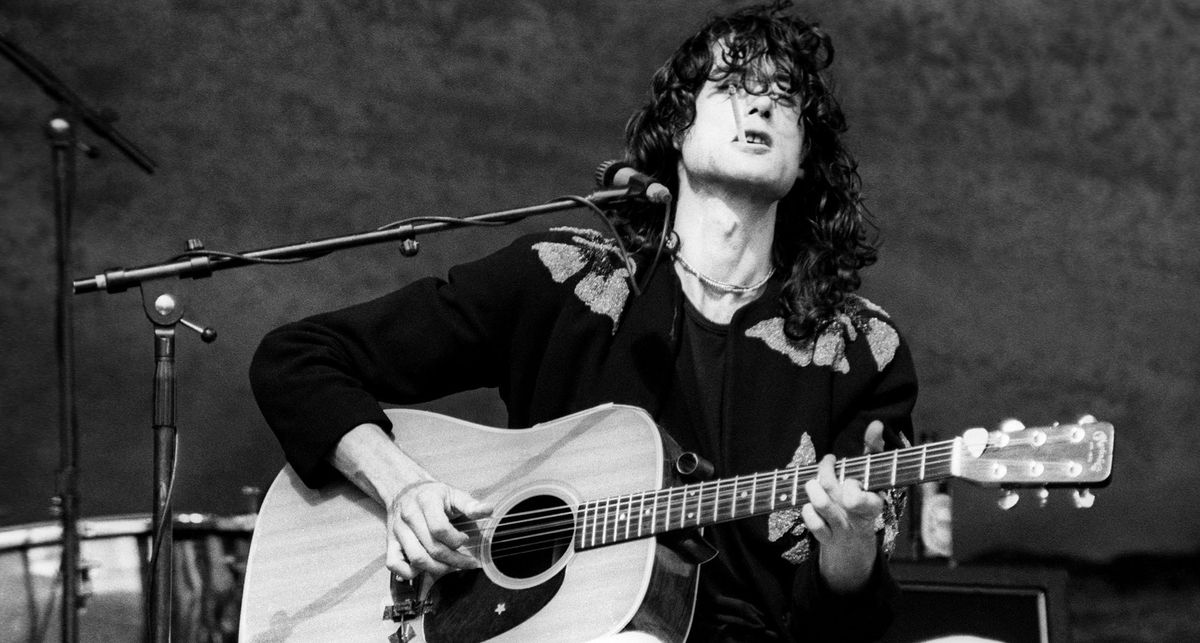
{"points": [[1009, 604]]}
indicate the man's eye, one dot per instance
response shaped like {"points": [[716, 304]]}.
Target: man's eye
{"points": [[727, 87]]}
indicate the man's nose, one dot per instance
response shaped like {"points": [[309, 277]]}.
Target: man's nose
{"points": [[761, 105]]}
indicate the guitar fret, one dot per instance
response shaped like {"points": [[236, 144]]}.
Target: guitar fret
{"points": [[733, 498], [652, 512], [795, 486], [684, 514], [601, 512], [683, 509], [716, 505], [616, 520], [774, 483], [641, 514], [625, 516], [654, 521], [924, 451], [842, 476], [621, 517], [594, 509], [581, 529], [607, 520], [895, 461], [598, 529], [866, 483], [594, 517], [683, 506], [670, 506]]}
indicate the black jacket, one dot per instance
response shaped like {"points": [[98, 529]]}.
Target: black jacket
{"points": [[551, 323]]}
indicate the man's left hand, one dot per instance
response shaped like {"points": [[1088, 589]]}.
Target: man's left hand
{"points": [[842, 515]]}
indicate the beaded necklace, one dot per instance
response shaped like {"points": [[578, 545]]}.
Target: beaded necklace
{"points": [[721, 286]]}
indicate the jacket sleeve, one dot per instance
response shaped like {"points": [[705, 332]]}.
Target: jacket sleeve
{"points": [[888, 394], [316, 379], [820, 614]]}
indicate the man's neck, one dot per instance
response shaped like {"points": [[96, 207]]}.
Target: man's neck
{"points": [[726, 239]]}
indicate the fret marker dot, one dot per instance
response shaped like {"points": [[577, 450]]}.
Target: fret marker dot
{"points": [[783, 496], [622, 517]]}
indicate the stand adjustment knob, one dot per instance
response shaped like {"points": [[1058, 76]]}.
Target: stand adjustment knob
{"points": [[207, 334]]}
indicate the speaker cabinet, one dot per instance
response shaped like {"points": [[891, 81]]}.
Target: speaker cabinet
{"points": [[1010, 604]]}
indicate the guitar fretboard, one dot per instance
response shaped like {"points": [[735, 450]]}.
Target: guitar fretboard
{"points": [[620, 518]]}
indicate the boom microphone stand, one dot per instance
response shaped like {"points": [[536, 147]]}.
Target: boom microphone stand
{"points": [[64, 144]]}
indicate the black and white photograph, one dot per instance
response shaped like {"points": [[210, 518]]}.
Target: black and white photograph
{"points": [[717, 321]]}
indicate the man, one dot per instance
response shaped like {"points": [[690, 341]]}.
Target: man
{"points": [[733, 324]]}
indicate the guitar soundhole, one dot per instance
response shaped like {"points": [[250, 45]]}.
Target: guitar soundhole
{"points": [[532, 536]]}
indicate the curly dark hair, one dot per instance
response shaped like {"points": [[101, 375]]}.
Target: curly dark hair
{"points": [[821, 229]]}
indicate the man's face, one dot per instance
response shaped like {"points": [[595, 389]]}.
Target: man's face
{"points": [[766, 162]]}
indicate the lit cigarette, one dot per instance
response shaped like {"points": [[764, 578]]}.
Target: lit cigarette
{"points": [[737, 113]]}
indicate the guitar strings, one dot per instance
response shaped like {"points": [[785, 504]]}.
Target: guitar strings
{"points": [[712, 492], [530, 531], [725, 488], [625, 512]]}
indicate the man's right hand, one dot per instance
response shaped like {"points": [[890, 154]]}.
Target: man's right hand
{"points": [[422, 538], [420, 535]]}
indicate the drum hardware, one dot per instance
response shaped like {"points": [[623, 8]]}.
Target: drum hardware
{"points": [[254, 498], [209, 551]]}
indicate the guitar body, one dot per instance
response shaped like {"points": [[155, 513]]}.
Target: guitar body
{"points": [[316, 564]]}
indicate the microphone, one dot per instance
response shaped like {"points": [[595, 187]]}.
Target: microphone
{"points": [[619, 174]]}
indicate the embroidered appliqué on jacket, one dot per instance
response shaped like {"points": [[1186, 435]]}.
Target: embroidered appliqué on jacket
{"points": [[829, 348], [894, 500], [888, 523], [603, 288], [789, 521]]}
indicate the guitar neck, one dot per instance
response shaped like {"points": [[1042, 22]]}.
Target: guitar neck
{"points": [[620, 518]]}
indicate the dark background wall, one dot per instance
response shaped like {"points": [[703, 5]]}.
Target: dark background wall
{"points": [[1032, 167]]}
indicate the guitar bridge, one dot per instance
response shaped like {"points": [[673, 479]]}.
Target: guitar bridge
{"points": [[407, 609], [410, 599]]}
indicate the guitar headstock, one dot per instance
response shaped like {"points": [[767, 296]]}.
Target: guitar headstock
{"points": [[1061, 455]]}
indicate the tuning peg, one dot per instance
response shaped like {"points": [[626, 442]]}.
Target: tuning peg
{"points": [[1043, 495], [1012, 425], [1086, 418], [1083, 498], [1008, 499]]}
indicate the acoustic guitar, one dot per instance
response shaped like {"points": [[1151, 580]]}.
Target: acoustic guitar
{"points": [[586, 538]]}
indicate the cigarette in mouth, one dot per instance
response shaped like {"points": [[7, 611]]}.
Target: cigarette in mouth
{"points": [[737, 113]]}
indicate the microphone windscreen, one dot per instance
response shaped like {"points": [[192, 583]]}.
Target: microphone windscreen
{"points": [[607, 171]]}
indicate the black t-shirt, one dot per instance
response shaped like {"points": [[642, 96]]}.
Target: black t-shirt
{"points": [[699, 391]]}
